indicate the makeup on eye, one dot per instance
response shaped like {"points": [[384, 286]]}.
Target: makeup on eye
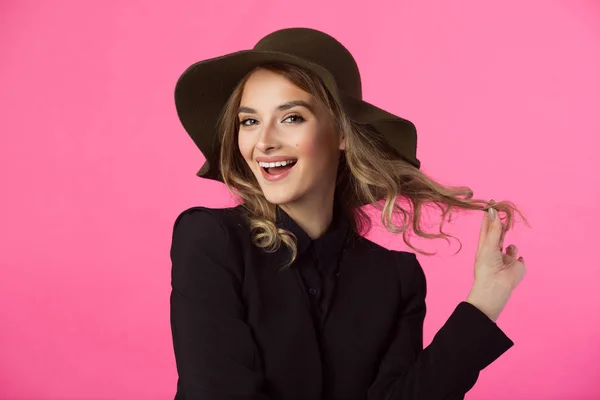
{"points": [[244, 121], [296, 119]]}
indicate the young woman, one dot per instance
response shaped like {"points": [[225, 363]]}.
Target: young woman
{"points": [[282, 297]]}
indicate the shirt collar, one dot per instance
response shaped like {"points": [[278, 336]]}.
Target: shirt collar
{"points": [[331, 242]]}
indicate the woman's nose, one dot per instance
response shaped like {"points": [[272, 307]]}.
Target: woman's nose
{"points": [[267, 139]]}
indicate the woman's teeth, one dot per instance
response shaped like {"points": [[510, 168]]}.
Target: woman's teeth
{"points": [[276, 164]]}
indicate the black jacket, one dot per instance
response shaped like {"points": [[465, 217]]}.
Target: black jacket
{"points": [[242, 328]]}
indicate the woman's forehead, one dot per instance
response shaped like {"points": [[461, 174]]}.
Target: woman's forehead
{"points": [[265, 81], [271, 91]]}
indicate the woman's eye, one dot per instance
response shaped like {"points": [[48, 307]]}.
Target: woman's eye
{"points": [[248, 122], [294, 119]]}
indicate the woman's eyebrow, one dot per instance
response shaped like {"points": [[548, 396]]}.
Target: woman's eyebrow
{"points": [[294, 103], [282, 107]]}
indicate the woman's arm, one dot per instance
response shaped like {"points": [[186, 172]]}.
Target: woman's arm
{"points": [[215, 353], [449, 367]]}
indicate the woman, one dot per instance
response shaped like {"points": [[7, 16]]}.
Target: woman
{"points": [[281, 297]]}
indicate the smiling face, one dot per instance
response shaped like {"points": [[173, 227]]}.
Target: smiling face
{"points": [[288, 140]]}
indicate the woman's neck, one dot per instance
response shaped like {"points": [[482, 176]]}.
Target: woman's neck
{"points": [[314, 219]]}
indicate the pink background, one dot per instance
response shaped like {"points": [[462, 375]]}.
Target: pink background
{"points": [[95, 167]]}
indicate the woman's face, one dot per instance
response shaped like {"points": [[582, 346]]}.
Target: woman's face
{"points": [[288, 140]]}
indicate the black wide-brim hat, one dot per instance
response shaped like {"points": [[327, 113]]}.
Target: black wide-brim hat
{"points": [[204, 87]]}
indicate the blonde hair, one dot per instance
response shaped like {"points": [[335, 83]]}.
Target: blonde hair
{"points": [[370, 172]]}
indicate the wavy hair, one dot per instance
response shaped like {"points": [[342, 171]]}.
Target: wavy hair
{"points": [[370, 172]]}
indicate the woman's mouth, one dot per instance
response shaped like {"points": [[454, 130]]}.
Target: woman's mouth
{"points": [[274, 171]]}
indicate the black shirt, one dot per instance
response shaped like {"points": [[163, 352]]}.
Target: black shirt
{"points": [[318, 261], [243, 328]]}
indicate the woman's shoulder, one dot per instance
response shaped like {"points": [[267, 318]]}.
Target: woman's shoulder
{"points": [[204, 233], [206, 227], [366, 245], [405, 262], [209, 219], [203, 247]]}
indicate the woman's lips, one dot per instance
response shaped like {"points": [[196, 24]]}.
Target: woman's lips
{"points": [[276, 177]]}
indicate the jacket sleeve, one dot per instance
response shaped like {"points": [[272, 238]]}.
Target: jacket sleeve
{"points": [[215, 353], [449, 367]]}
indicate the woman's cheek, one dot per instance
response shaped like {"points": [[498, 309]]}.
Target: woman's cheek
{"points": [[245, 149], [308, 149], [316, 155]]}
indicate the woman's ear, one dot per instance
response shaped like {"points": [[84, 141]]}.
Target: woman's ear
{"points": [[342, 142]]}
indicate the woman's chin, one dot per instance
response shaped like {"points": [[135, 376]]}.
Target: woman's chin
{"points": [[277, 198], [279, 195]]}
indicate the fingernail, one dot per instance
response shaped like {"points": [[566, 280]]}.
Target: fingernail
{"points": [[492, 213]]}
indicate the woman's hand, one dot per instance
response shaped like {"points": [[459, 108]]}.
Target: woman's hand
{"points": [[497, 274]]}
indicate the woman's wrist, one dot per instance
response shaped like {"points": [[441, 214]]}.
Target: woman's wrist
{"points": [[489, 297]]}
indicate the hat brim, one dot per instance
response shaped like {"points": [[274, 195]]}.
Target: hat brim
{"points": [[203, 89]]}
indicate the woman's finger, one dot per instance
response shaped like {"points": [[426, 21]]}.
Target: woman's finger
{"points": [[502, 236], [483, 231], [485, 226], [512, 250], [492, 239]]}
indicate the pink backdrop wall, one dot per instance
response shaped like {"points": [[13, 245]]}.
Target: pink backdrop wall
{"points": [[95, 167]]}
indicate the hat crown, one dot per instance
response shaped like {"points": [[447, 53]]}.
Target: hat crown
{"points": [[318, 48]]}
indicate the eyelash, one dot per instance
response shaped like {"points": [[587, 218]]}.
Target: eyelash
{"points": [[299, 119]]}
